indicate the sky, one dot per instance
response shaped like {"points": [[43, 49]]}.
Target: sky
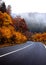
{"points": [[22, 6]]}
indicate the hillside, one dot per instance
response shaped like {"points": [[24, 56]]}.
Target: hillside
{"points": [[15, 30], [8, 33]]}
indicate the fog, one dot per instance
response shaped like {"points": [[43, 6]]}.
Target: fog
{"points": [[36, 22]]}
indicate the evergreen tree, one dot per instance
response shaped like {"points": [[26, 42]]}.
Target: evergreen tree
{"points": [[3, 7]]}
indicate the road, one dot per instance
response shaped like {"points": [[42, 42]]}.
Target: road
{"points": [[29, 53]]}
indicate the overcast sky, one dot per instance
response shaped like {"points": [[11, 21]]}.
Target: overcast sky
{"points": [[22, 6]]}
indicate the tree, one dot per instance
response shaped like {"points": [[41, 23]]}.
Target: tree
{"points": [[3, 7], [20, 24], [8, 34], [9, 9]]}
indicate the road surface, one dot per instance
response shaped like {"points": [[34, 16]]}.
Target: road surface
{"points": [[29, 53]]}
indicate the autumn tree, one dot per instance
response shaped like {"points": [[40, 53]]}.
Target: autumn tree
{"points": [[8, 33], [9, 9], [20, 24], [39, 37]]}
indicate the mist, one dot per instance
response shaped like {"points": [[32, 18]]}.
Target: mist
{"points": [[36, 22]]}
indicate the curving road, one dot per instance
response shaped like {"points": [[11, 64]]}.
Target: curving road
{"points": [[29, 53]]}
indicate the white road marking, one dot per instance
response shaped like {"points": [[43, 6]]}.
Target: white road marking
{"points": [[15, 51], [45, 46]]}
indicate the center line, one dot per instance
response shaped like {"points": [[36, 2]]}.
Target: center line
{"points": [[15, 51]]}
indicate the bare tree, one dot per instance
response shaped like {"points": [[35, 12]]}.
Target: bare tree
{"points": [[9, 9]]}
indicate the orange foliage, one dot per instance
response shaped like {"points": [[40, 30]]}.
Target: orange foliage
{"points": [[19, 37], [1, 15], [40, 37], [8, 32]]}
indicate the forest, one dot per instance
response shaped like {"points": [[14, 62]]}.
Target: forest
{"points": [[15, 30]]}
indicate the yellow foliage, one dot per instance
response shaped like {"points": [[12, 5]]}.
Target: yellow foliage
{"points": [[7, 18], [40, 37], [11, 28], [8, 31], [19, 37], [1, 15]]}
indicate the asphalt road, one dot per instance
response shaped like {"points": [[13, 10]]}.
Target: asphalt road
{"points": [[30, 53]]}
